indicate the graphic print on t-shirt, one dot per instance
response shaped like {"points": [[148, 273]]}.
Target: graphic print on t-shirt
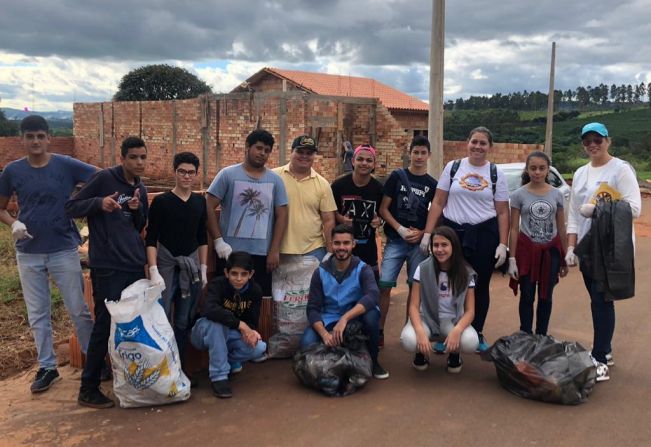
{"points": [[252, 203], [362, 212], [473, 182], [541, 221]]}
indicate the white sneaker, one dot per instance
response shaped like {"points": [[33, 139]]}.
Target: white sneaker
{"points": [[609, 359], [602, 370]]}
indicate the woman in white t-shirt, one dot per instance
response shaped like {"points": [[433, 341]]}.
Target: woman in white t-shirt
{"points": [[472, 196], [442, 304], [604, 178]]}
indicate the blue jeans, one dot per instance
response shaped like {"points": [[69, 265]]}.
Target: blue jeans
{"points": [[396, 252], [108, 284], [224, 345], [183, 312], [65, 270], [370, 327], [318, 253], [544, 307], [603, 321]]}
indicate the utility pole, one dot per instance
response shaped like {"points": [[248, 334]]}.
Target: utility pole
{"points": [[550, 105], [435, 117]]}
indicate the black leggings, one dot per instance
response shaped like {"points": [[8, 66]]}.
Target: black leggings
{"points": [[481, 258]]}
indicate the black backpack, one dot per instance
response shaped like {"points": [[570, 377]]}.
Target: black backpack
{"points": [[493, 168]]}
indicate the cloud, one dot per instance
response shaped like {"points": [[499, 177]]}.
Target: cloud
{"points": [[60, 52]]}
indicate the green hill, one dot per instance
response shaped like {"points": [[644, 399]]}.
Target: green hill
{"points": [[630, 131]]}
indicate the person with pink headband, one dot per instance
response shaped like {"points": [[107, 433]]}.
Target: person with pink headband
{"points": [[358, 196]]}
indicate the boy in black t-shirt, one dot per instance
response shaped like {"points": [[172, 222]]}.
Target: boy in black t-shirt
{"points": [[358, 196], [227, 327], [407, 196]]}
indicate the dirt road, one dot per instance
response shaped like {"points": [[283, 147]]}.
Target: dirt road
{"points": [[270, 407]]}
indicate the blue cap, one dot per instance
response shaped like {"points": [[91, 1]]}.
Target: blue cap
{"points": [[594, 127]]}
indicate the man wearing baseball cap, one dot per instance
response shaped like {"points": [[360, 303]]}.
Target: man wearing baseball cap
{"points": [[311, 204]]}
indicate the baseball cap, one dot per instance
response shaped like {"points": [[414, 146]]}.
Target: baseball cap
{"points": [[304, 142], [594, 127]]}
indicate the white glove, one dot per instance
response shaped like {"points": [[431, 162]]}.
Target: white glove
{"points": [[587, 210], [570, 257], [403, 232], [424, 243], [155, 278], [222, 248], [204, 274], [500, 255], [19, 231], [513, 268]]}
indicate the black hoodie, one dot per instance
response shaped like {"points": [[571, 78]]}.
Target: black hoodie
{"points": [[114, 241]]}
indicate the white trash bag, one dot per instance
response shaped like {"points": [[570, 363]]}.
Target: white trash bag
{"points": [[144, 355], [290, 289]]}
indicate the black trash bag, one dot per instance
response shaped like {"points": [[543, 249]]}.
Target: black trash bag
{"points": [[539, 367], [336, 371]]}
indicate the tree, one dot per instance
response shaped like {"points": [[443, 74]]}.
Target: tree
{"points": [[159, 83], [7, 128]]}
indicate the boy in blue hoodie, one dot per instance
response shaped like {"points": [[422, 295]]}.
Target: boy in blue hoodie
{"points": [[115, 203]]}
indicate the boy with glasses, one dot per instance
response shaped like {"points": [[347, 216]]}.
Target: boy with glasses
{"points": [[177, 246]]}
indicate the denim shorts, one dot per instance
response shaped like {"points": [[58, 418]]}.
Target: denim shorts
{"points": [[396, 252]]}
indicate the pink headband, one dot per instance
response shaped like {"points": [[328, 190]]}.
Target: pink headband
{"points": [[364, 147]]}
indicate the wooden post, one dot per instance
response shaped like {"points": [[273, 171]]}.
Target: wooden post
{"points": [[282, 124], [435, 117], [174, 119], [101, 134], [550, 105], [205, 123]]}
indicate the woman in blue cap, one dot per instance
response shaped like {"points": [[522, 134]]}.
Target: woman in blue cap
{"points": [[604, 178]]}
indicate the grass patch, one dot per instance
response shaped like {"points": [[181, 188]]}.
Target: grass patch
{"points": [[18, 351]]}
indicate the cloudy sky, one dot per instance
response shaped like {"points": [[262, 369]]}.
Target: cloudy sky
{"points": [[54, 53]]}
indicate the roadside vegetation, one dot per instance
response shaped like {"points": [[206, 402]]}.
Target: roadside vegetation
{"points": [[18, 351]]}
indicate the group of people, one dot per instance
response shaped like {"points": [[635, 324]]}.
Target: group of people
{"points": [[452, 234]]}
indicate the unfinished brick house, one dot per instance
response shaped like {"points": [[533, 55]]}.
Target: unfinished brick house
{"points": [[287, 103], [408, 111]]}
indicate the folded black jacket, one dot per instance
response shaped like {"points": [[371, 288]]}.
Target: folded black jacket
{"points": [[606, 252]]}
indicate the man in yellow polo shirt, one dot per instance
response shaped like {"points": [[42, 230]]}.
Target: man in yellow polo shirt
{"points": [[311, 204]]}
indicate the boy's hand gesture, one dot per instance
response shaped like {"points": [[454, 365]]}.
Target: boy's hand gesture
{"points": [[134, 203], [109, 203]]}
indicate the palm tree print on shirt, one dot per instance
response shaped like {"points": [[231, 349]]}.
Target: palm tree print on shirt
{"points": [[247, 198], [258, 210]]}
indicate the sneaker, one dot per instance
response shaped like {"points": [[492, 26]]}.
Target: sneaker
{"points": [[439, 347], [454, 363], [236, 367], [483, 345], [380, 341], [260, 359], [44, 380], [420, 362], [602, 370], [379, 372], [609, 359], [221, 389], [94, 399]]}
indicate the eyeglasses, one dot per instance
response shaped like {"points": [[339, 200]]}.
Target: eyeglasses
{"points": [[183, 173], [596, 140]]}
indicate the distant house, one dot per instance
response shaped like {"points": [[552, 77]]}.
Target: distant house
{"points": [[408, 111]]}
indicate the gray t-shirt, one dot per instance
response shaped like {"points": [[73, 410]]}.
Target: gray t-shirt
{"points": [[537, 213], [42, 193], [247, 207]]}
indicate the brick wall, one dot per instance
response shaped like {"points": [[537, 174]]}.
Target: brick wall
{"points": [[214, 127], [411, 119], [499, 153], [11, 148]]}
